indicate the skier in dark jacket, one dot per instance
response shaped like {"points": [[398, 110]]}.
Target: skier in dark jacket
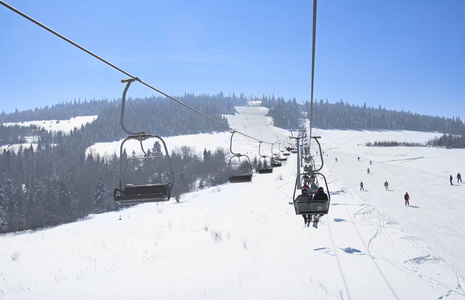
{"points": [[321, 195], [407, 198], [459, 177]]}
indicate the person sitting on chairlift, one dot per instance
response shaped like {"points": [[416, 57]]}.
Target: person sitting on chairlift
{"points": [[305, 190], [306, 179], [313, 187], [305, 186], [321, 195]]}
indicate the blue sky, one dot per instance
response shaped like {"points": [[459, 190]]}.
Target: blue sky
{"points": [[400, 54]]}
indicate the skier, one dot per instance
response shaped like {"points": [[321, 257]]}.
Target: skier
{"points": [[321, 195], [450, 179], [407, 198], [361, 186], [459, 177], [368, 171], [307, 218], [386, 185], [305, 189], [335, 159]]}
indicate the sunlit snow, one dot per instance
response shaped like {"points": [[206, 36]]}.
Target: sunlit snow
{"points": [[244, 241]]}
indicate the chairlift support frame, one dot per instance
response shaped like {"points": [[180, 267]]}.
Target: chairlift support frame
{"points": [[128, 193]]}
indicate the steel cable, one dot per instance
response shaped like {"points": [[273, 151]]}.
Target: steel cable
{"points": [[126, 73]]}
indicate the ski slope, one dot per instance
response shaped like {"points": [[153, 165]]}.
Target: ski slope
{"points": [[244, 241]]}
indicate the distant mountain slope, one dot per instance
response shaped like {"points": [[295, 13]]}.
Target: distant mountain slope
{"points": [[342, 115]]}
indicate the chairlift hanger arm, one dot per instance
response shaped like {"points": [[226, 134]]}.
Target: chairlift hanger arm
{"points": [[259, 149], [319, 150], [123, 104], [230, 144]]}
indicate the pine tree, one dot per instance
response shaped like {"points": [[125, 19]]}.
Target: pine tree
{"points": [[101, 196], [3, 222]]}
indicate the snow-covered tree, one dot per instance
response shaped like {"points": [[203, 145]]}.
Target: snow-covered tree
{"points": [[101, 196]]}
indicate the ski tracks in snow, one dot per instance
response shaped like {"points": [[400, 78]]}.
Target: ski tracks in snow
{"points": [[374, 236], [354, 244]]}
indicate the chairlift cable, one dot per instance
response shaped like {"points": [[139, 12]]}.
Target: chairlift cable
{"points": [[124, 72]]}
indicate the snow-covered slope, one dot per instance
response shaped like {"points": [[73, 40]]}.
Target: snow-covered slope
{"points": [[65, 126], [244, 241]]}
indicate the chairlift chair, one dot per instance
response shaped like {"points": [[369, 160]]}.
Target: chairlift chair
{"points": [[240, 167], [282, 155], [264, 162], [305, 204], [275, 159], [137, 183]]}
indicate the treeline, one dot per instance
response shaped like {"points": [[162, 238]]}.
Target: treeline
{"points": [[285, 114], [340, 115], [345, 116], [218, 103], [446, 140], [155, 115], [54, 182], [393, 144], [57, 183], [16, 134], [449, 141]]}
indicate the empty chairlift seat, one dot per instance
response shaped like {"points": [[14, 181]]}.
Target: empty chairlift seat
{"points": [[132, 194]]}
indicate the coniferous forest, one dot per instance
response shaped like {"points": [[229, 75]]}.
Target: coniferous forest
{"points": [[52, 181], [342, 115]]}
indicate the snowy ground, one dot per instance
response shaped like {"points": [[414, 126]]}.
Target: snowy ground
{"points": [[244, 241], [65, 126]]}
